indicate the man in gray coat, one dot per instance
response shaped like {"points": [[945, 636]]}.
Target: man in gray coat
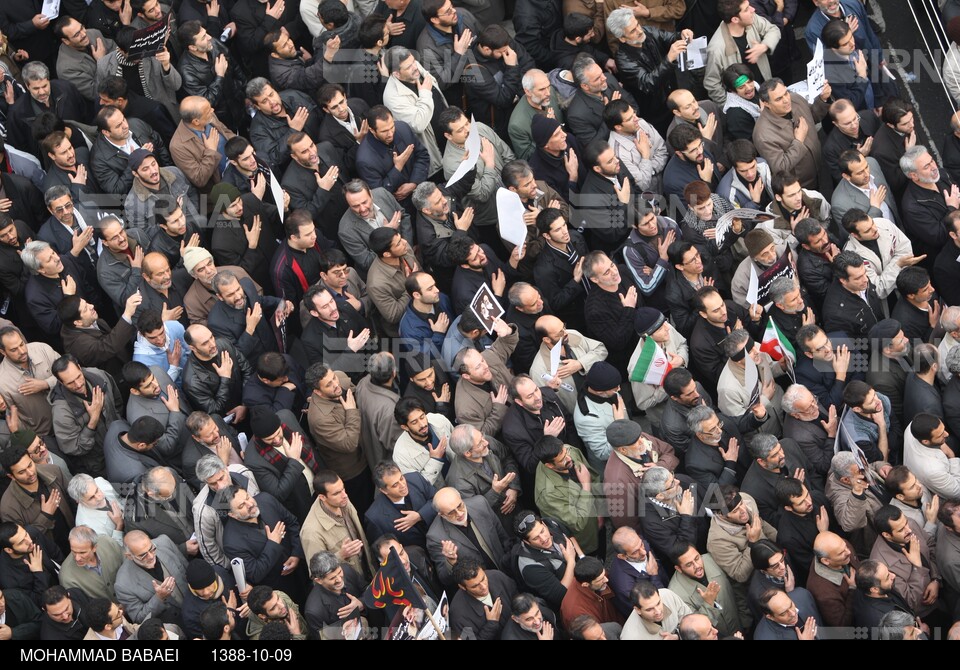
{"points": [[161, 79], [465, 528], [80, 49], [862, 187], [139, 590], [369, 210], [130, 449], [485, 467], [153, 393]]}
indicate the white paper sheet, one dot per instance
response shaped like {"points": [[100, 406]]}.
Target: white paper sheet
{"points": [[555, 358], [816, 78], [753, 290], [50, 9], [239, 573], [277, 193], [429, 632], [696, 55], [510, 211], [472, 146], [751, 376]]}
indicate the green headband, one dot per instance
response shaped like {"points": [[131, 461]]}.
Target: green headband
{"points": [[741, 80]]}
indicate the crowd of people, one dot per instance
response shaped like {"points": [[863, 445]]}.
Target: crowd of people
{"points": [[244, 367]]}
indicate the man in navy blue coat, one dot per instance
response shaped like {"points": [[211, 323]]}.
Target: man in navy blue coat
{"points": [[391, 156], [403, 505]]}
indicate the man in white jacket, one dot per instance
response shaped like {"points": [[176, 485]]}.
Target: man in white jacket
{"points": [[884, 248], [926, 453], [423, 446], [412, 96]]}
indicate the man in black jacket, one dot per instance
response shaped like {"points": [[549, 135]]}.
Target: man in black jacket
{"points": [[535, 22], [470, 617], [668, 512], [115, 92], [279, 115], [254, 19], [533, 413], [336, 335], [438, 222], [492, 81], [28, 29], [62, 614], [604, 206], [208, 70], [558, 271], [946, 270], [119, 136], [646, 63], [276, 385], [844, 306], [928, 198], [214, 375], [344, 124], [26, 201], [313, 181], [804, 516], [13, 274], [916, 310], [609, 308], [815, 255], [716, 319], [585, 113], [250, 321], [43, 94]]}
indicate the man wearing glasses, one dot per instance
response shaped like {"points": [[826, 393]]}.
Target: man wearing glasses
{"points": [[153, 578], [465, 529]]}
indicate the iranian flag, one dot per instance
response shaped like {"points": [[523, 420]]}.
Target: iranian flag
{"points": [[776, 344], [652, 364]]}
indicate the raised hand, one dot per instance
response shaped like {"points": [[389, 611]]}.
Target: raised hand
{"points": [[299, 119], [830, 425], [225, 369], [500, 397], [438, 451], [493, 613], [50, 505], [709, 594], [440, 324], [462, 43], [623, 190], [276, 11], [253, 232], [501, 485], [277, 533], [172, 401], [463, 221], [329, 179], [171, 314], [400, 160], [348, 400], [356, 343], [555, 426], [732, 452]]}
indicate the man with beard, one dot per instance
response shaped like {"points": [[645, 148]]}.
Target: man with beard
{"points": [[279, 115], [250, 321], [595, 89], [750, 182], [610, 307], [481, 606], [64, 168], [691, 161], [28, 560], [590, 595], [799, 524], [578, 356], [704, 587], [336, 335], [832, 578], [916, 310], [924, 452], [876, 595], [714, 456], [91, 339], [159, 290], [14, 234], [345, 124], [119, 137], [791, 616], [716, 319], [815, 255], [271, 607], [891, 361], [422, 446], [69, 230], [656, 613], [915, 500], [152, 393], [429, 383], [62, 611], [906, 551], [266, 536], [554, 158], [214, 375], [875, 431], [862, 186], [245, 231], [208, 70], [647, 259], [155, 186], [290, 68], [925, 203], [852, 130], [562, 490], [160, 343], [80, 49], [771, 460], [811, 425], [120, 261], [36, 494], [481, 395], [534, 412], [206, 585], [201, 296], [208, 509], [249, 174], [334, 599], [788, 310], [538, 96]]}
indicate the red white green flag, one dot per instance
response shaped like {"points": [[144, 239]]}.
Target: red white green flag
{"points": [[652, 364], [776, 344]]}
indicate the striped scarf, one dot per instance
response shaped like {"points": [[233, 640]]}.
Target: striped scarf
{"points": [[273, 457], [122, 62]]}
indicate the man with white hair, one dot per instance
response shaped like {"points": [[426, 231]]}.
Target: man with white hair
{"points": [[950, 322], [209, 508], [484, 467], [52, 276], [855, 496], [538, 97], [927, 199], [153, 579], [98, 505], [92, 564], [645, 60], [810, 425], [667, 515]]}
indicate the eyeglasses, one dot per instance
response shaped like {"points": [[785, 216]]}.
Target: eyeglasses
{"points": [[35, 451], [456, 511], [63, 208], [716, 430], [150, 552], [115, 238], [452, 10]]}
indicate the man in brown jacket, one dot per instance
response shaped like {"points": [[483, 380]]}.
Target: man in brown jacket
{"points": [[853, 499], [333, 525], [26, 379], [735, 527], [200, 297], [334, 421], [633, 452], [198, 145], [37, 494], [786, 132], [905, 549], [832, 579], [481, 398], [387, 277]]}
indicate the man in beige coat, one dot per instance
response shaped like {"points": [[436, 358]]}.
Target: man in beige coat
{"points": [[578, 354], [740, 20], [334, 525], [735, 526]]}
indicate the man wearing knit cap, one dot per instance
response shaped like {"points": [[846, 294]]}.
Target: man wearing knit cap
{"points": [[283, 460], [578, 354], [153, 184], [206, 584], [200, 297], [554, 160], [650, 322], [598, 404], [632, 453], [245, 231], [767, 259]]}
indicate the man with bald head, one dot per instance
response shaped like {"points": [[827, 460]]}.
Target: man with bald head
{"points": [[198, 147], [577, 355], [832, 578], [92, 564], [634, 561], [465, 528], [214, 375], [161, 289], [701, 115], [697, 627], [153, 579]]}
